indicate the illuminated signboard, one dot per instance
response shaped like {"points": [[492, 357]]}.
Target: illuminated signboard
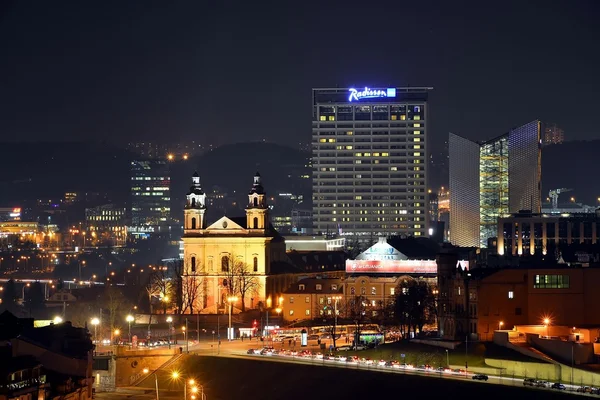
{"points": [[396, 266], [368, 93]]}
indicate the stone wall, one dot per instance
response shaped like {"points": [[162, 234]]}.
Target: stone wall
{"points": [[130, 364]]}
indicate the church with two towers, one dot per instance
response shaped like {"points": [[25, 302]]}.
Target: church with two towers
{"points": [[212, 248]]}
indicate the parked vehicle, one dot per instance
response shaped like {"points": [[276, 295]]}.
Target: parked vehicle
{"points": [[558, 386], [529, 382], [480, 377]]}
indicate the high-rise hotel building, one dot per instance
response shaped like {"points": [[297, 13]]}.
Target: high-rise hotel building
{"points": [[370, 161]]}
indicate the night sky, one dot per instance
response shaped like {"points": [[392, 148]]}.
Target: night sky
{"points": [[226, 71]]}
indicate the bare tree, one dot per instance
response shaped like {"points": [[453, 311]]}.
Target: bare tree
{"points": [[356, 310], [192, 288], [240, 279], [414, 304], [161, 285], [116, 304]]}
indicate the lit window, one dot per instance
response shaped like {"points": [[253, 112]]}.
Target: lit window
{"points": [[417, 117], [318, 286], [417, 154], [403, 118], [307, 312], [332, 118], [331, 140], [323, 118], [307, 299], [393, 168], [291, 300], [373, 291], [417, 139], [417, 132], [349, 147], [301, 287], [323, 140], [358, 154], [392, 291], [511, 294], [291, 312]]}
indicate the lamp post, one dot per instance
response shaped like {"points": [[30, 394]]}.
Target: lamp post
{"points": [[278, 311], [230, 300], [57, 320], [547, 324], [170, 321], [447, 359], [500, 324], [116, 334], [184, 334], [129, 320], [335, 315], [95, 322]]}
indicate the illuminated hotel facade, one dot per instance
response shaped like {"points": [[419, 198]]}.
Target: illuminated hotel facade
{"points": [[150, 196], [369, 161], [491, 179]]}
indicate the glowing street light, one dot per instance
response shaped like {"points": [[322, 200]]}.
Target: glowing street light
{"points": [[129, 320], [547, 324], [500, 324], [170, 321], [230, 300], [95, 322], [57, 320]]}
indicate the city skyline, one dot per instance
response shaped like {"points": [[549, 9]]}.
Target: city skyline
{"points": [[77, 72]]}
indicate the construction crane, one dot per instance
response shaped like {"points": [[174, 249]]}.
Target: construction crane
{"points": [[553, 194]]}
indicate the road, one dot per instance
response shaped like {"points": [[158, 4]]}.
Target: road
{"points": [[238, 349]]}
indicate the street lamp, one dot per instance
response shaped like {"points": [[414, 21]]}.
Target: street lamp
{"points": [[230, 300], [335, 316], [57, 320], [95, 322], [116, 334], [278, 311], [170, 321], [184, 334], [129, 320], [547, 323], [500, 324]]}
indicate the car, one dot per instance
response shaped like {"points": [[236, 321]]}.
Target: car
{"points": [[344, 348], [250, 351], [595, 391], [480, 377], [558, 386], [352, 360], [425, 367], [458, 371], [583, 389], [359, 347], [440, 369], [392, 364], [341, 358], [366, 361], [319, 356], [407, 366], [543, 384], [381, 363], [529, 382]]}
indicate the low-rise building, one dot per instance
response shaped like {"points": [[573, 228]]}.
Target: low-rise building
{"points": [[475, 303], [311, 298]]}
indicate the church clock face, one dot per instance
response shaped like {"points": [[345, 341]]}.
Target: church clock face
{"points": [[224, 224]]}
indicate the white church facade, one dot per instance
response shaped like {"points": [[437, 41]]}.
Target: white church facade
{"points": [[214, 250]]}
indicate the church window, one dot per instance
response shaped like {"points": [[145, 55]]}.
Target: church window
{"points": [[224, 264], [193, 264], [193, 223], [210, 264], [363, 291], [255, 264], [255, 226], [193, 202], [352, 290], [256, 202]]}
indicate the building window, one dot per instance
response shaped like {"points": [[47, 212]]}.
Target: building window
{"points": [[307, 312], [319, 286], [193, 223], [392, 291], [373, 291], [291, 300], [518, 311], [334, 288], [224, 264], [291, 312], [210, 264], [255, 222], [321, 300], [352, 290], [307, 299], [193, 262], [363, 291], [551, 282], [511, 294], [301, 287], [255, 264]]}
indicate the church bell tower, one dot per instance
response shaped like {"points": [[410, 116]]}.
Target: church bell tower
{"points": [[195, 206], [257, 211]]}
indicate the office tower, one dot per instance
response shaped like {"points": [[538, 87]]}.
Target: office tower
{"points": [[553, 135], [491, 179], [369, 161], [150, 196]]}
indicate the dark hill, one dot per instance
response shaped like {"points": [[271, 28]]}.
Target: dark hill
{"points": [[572, 165]]}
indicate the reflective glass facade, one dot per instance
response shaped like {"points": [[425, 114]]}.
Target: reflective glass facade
{"points": [[150, 194], [370, 162], [500, 176]]}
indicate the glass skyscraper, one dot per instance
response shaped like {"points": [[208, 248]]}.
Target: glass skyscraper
{"points": [[370, 161], [150, 196], [491, 179]]}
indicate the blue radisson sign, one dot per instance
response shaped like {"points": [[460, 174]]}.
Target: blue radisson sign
{"points": [[368, 93]]}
